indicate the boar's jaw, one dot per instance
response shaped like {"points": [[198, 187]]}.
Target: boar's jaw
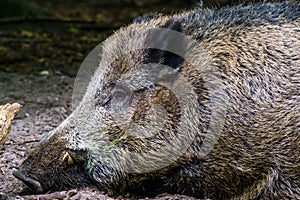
{"points": [[33, 185]]}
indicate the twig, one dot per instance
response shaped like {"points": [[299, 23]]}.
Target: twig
{"points": [[54, 195]]}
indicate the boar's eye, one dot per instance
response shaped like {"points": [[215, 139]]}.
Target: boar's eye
{"points": [[103, 95], [120, 97], [67, 160], [114, 96]]}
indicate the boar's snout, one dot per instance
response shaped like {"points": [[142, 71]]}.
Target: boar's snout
{"points": [[53, 166], [34, 185]]}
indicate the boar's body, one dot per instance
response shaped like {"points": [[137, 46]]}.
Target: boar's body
{"points": [[254, 49]]}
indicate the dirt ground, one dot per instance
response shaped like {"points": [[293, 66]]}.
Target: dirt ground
{"points": [[45, 101]]}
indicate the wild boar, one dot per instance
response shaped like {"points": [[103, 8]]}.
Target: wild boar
{"points": [[204, 103]]}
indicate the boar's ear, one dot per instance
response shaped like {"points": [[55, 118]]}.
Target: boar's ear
{"points": [[169, 41], [173, 24], [146, 17]]}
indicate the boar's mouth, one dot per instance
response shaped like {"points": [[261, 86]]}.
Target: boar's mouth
{"points": [[33, 185]]}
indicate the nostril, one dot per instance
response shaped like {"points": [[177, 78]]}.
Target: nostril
{"points": [[31, 183]]}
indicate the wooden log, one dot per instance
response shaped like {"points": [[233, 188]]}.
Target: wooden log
{"points": [[7, 114]]}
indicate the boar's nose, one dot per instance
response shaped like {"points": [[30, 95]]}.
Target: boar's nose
{"points": [[34, 185]]}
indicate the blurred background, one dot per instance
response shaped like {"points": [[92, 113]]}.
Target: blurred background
{"points": [[43, 37], [46, 37]]}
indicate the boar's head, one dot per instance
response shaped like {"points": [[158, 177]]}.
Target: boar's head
{"points": [[129, 126]]}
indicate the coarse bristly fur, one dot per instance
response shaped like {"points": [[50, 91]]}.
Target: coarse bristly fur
{"points": [[255, 49]]}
